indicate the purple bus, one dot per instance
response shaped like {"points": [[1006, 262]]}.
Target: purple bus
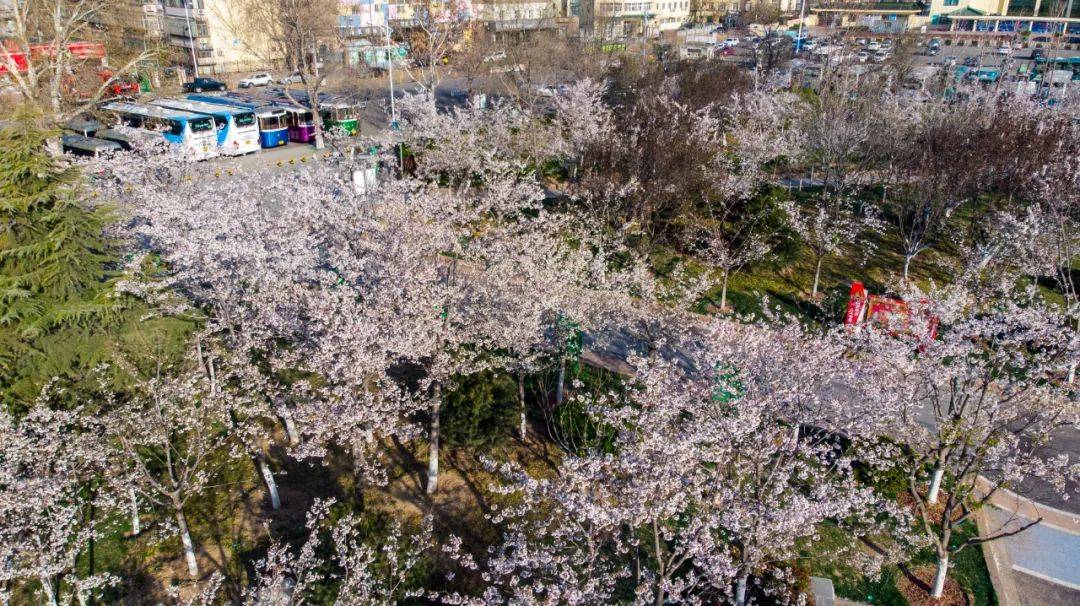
{"points": [[300, 122]]}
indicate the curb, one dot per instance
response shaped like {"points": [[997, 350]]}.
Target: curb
{"points": [[998, 565]]}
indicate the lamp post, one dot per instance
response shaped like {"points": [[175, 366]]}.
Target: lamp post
{"points": [[390, 74]]}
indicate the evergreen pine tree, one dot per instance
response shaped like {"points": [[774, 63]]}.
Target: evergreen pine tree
{"points": [[56, 267]]}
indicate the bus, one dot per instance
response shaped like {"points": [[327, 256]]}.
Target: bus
{"points": [[273, 132], [192, 133], [81, 145], [237, 131], [301, 123], [335, 113]]}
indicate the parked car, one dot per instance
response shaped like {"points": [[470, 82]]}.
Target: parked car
{"points": [[873, 46], [293, 78], [887, 45], [1004, 49], [199, 85], [950, 60], [881, 56], [1037, 53], [259, 79], [729, 42], [933, 51], [727, 51], [863, 56], [861, 41], [971, 62]]}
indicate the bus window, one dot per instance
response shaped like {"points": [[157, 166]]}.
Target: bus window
{"points": [[270, 122], [343, 113], [244, 119], [220, 122], [306, 119], [176, 127], [201, 125]]}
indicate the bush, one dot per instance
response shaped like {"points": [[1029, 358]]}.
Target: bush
{"points": [[481, 410]]}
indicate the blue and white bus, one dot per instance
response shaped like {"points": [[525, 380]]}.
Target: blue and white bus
{"points": [[273, 131], [192, 133], [237, 131]]}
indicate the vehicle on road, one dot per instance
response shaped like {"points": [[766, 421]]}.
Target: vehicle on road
{"points": [[971, 62], [729, 42], [259, 79], [237, 131], [199, 85], [192, 133], [933, 51], [1037, 53], [1004, 49]]}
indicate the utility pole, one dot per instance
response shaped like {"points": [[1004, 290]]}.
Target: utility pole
{"points": [[802, 20], [189, 6], [390, 73]]}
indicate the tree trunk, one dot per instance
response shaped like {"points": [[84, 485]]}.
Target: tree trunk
{"points": [[521, 402], [289, 425], [189, 547], [50, 591], [817, 277], [136, 523], [935, 484], [723, 291], [740, 590], [268, 478], [433, 444], [562, 380], [907, 265], [939, 578]]}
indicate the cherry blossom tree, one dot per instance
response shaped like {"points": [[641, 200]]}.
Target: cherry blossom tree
{"points": [[171, 438], [973, 406], [827, 227], [708, 480], [50, 461]]}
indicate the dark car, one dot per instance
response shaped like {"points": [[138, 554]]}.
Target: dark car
{"points": [[1037, 53], [198, 85], [971, 62]]}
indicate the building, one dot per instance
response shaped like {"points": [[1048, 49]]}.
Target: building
{"points": [[881, 17], [203, 36], [1010, 16], [622, 19]]}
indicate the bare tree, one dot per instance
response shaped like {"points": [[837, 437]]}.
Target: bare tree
{"points": [[294, 32], [45, 70], [436, 30]]}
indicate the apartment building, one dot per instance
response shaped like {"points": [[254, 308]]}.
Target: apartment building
{"points": [[628, 19]]}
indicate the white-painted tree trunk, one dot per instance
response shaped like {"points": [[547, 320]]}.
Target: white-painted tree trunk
{"points": [[136, 522], [268, 478], [907, 265], [290, 427], [939, 578], [740, 590], [562, 381], [723, 291], [433, 444], [189, 546], [935, 485], [521, 401], [817, 277], [50, 592]]}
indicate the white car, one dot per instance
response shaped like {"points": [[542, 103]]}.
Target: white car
{"points": [[873, 46], [293, 78], [259, 79], [730, 42], [1004, 49]]}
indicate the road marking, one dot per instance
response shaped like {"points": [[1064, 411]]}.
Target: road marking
{"points": [[1047, 578]]}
